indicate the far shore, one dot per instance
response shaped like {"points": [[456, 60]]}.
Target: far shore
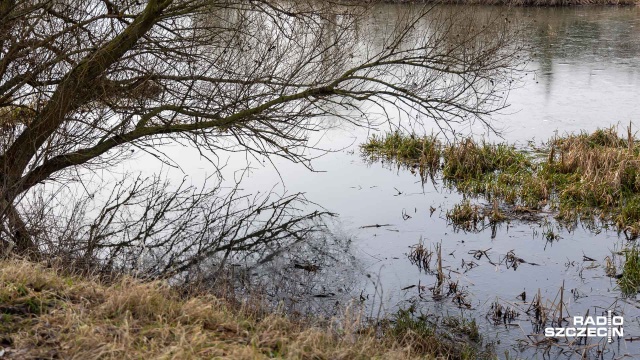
{"points": [[540, 3]]}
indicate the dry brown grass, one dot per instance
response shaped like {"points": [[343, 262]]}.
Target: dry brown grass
{"points": [[602, 159], [45, 315], [598, 171]]}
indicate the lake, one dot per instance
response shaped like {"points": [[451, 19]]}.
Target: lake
{"points": [[584, 74]]}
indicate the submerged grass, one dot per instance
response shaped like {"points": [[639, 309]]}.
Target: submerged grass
{"points": [[629, 281], [419, 330], [44, 314], [583, 176]]}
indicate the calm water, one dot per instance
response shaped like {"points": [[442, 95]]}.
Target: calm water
{"points": [[584, 74]]}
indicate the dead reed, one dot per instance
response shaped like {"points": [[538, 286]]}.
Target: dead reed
{"points": [[421, 256], [504, 314]]}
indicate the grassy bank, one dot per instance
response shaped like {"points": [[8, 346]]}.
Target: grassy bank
{"points": [[45, 315], [592, 177]]}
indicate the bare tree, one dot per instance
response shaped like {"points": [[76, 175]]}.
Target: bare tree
{"points": [[84, 81]]}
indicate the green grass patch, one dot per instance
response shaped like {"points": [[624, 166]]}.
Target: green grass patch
{"points": [[469, 160], [411, 150], [629, 282], [465, 215], [463, 339], [592, 177]]}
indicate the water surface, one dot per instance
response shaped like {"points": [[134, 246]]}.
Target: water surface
{"points": [[584, 74]]}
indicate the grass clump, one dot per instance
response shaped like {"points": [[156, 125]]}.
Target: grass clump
{"points": [[410, 150], [629, 282], [46, 315], [465, 215], [420, 255], [469, 160], [464, 327], [498, 172], [464, 339], [597, 175]]}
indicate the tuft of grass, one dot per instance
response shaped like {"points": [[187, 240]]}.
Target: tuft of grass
{"points": [[629, 282], [498, 172], [465, 215], [469, 160], [44, 314], [465, 341], [411, 150], [421, 256], [496, 215]]}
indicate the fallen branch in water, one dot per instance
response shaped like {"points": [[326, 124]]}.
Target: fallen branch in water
{"points": [[374, 226]]}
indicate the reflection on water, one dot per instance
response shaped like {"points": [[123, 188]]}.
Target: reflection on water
{"points": [[316, 277], [585, 63]]}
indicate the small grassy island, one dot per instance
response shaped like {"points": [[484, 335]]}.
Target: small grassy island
{"points": [[594, 178]]}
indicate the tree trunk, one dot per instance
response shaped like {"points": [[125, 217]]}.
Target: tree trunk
{"points": [[18, 231]]}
